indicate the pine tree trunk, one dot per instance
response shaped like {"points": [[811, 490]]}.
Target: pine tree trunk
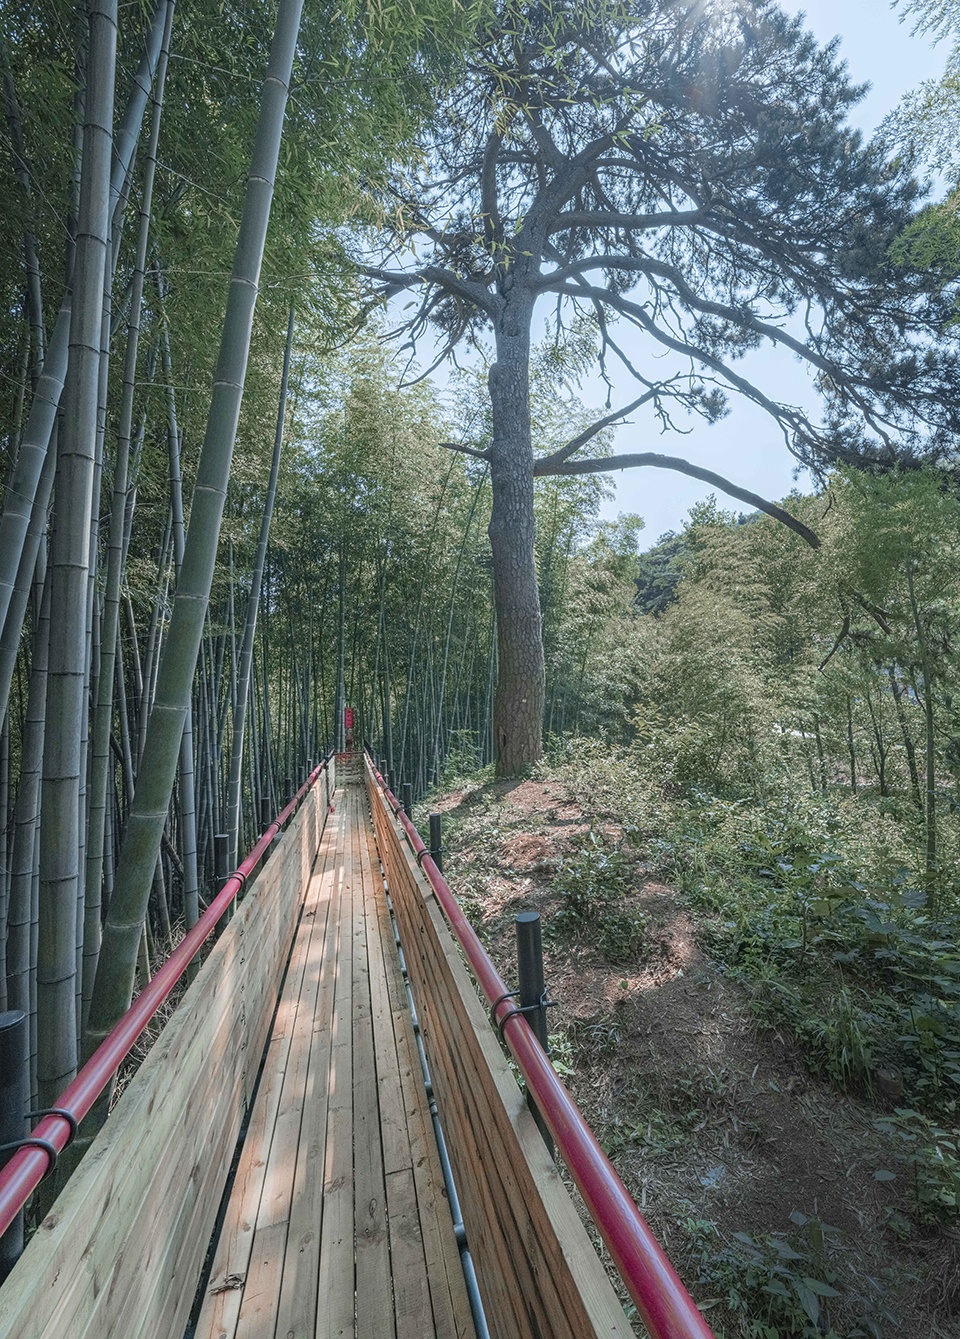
{"points": [[518, 705], [909, 747], [930, 755]]}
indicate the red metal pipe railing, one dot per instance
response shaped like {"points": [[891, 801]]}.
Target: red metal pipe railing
{"points": [[27, 1168], [664, 1305]]}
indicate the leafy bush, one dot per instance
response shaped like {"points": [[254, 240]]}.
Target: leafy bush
{"points": [[782, 1285], [593, 883], [932, 1156]]}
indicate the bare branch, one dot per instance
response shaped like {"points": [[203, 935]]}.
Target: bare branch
{"points": [[546, 464], [783, 414], [682, 467], [492, 225], [602, 218], [395, 281], [878, 615], [465, 450], [841, 638]]}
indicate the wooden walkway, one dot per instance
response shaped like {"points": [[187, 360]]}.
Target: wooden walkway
{"points": [[337, 1222]]}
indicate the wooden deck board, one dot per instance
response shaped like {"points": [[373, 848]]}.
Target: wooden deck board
{"points": [[338, 1224], [232, 1262]]}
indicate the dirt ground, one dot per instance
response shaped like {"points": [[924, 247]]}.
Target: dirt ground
{"points": [[717, 1127]]}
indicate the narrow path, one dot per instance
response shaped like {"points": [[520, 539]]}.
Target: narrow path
{"points": [[337, 1222]]}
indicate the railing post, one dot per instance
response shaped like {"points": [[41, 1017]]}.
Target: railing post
{"points": [[221, 872], [533, 992], [436, 846], [221, 858], [13, 1116], [408, 799]]}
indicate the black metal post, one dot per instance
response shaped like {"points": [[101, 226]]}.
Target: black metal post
{"points": [[221, 872], [436, 847], [221, 857], [533, 993], [408, 799], [266, 813], [13, 1116], [287, 790]]}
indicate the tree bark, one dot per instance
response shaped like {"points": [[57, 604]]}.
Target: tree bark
{"points": [[518, 704], [929, 736]]}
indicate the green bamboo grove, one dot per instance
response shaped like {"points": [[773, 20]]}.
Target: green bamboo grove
{"points": [[168, 671], [204, 557]]}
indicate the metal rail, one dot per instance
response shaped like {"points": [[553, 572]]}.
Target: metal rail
{"points": [[27, 1168], [662, 1301]]}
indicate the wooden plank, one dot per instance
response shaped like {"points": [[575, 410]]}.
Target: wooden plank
{"points": [[221, 1307], [72, 1258], [414, 1315], [503, 1280], [393, 1123], [452, 1317], [565, 1253], [448, 1293], [261, 1293], [374, 1287], [297, 1308], [198, 1202], [88, 1256], [158, 1298], [336, 1282]]}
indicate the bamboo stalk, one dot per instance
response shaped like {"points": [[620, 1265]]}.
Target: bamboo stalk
{"points": [[113, 988]]}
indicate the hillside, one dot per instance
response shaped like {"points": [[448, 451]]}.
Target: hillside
{"points": [[793, 1203]]}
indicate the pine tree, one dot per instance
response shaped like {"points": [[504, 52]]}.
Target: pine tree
{"points": [[683, 172]]}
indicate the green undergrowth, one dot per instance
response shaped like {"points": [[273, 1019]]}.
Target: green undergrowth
{"points": [[594, 883], [816, 905], [783, 1285]]}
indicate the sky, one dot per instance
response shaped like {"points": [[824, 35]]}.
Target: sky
{"points": [[746, 447]]}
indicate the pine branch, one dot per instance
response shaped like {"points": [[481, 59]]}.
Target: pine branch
{"points": [[601, 466]]}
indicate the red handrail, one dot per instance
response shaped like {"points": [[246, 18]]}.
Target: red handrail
{"points": [[27, 1168], [664, 1305]]}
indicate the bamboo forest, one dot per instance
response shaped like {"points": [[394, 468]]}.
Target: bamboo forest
{"points": [[328, 336]]}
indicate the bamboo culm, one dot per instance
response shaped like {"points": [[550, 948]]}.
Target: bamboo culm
{"points": [[250, 621], [138, 855]]}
